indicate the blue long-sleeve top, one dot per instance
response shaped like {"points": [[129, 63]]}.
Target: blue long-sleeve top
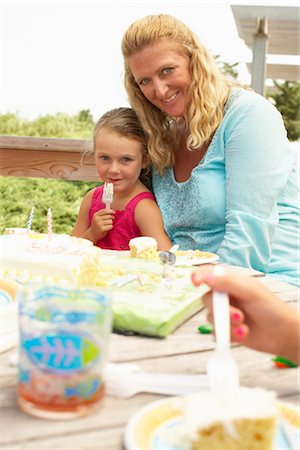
{"points": [[241, 201]]}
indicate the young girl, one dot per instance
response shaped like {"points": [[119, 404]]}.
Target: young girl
{"points": [[120, 151]]}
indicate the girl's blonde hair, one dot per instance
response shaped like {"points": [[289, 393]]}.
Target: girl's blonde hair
{"points": [[208, 93], [123, 121]]}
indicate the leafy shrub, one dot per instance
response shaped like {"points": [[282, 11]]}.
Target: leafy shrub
{"points": [[60, 125], [19, 195]]}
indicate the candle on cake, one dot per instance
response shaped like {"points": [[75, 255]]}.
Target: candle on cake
{"points": [[49, 223], [29, 223]]}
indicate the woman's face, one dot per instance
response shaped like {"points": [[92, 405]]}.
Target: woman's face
{"points": [[163, 76]]}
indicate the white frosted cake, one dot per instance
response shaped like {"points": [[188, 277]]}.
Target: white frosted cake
{"points": [[144, 301], [143, 247], [61, 259], [247, 421]]}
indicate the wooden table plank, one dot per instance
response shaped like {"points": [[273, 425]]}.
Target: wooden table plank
{"points": [[184, 351]]}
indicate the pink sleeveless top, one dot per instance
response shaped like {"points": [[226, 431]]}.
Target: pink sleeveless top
{"points": [[124, 227]]}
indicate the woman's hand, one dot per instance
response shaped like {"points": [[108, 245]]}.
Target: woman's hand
{"points": [[259, 319]]}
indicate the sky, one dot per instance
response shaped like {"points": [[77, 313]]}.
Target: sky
{"points": [[65, 56]]}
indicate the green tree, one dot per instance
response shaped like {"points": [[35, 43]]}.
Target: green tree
{"points": [[18, 195], [229, 69], [85, 116], [60, 125], [286, 98]]}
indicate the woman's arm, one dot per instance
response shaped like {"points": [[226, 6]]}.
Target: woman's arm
{"points": [[258, 163]]}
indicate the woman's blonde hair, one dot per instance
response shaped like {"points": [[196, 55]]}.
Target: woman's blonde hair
{"points": [[208, 93]]}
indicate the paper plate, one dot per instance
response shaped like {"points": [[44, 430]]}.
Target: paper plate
{"points": [[183, 257], [148, 428], [188, 259]]}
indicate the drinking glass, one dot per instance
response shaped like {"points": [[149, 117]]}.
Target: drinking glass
{"points": [[64, 336]]}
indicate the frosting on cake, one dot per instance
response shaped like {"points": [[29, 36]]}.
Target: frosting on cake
{"points": [[143, 247], [61, 258], [251, 413], [144, 301]]}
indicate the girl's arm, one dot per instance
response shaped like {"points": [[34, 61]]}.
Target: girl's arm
{"points": [[102, 221], [148, 218], [82, 223]]}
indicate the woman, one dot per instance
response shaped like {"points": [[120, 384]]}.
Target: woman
{"points": [[223, 171]]}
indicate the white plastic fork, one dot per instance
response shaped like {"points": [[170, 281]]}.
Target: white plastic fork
{"points": [[126, 380], [108, 193], [222, 370]]}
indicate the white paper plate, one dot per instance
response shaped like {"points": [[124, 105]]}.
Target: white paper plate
{"points": [[196, 261], [181, 260], [147, 428]]}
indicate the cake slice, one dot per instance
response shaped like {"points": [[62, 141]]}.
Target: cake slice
{"points": [[143, 247], [247, 422]]}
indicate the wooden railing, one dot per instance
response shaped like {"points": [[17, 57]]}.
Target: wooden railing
{"points": [[45, 158]]}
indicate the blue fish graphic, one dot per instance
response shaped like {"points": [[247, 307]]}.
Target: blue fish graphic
{"points": [[24, 375], [84, 390], [62, 353]]}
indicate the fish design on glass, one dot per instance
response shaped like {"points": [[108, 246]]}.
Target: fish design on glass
{"points": [[84, 390], [62, 352], [24, 375], [47, 314]]}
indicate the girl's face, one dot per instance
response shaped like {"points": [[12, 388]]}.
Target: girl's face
{"points": [[119, 159], [163, 76]]}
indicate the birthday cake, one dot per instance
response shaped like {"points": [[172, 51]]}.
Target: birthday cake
{"points": [[146, 299], [61, 259], [247, 421]]}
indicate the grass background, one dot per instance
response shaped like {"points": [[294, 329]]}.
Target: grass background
{"points": [[18, 195]]}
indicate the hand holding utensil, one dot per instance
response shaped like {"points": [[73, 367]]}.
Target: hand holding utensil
{"points": [[222, 369]]}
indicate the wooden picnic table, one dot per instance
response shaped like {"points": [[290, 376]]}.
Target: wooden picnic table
{"points": [[184, 351]]}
